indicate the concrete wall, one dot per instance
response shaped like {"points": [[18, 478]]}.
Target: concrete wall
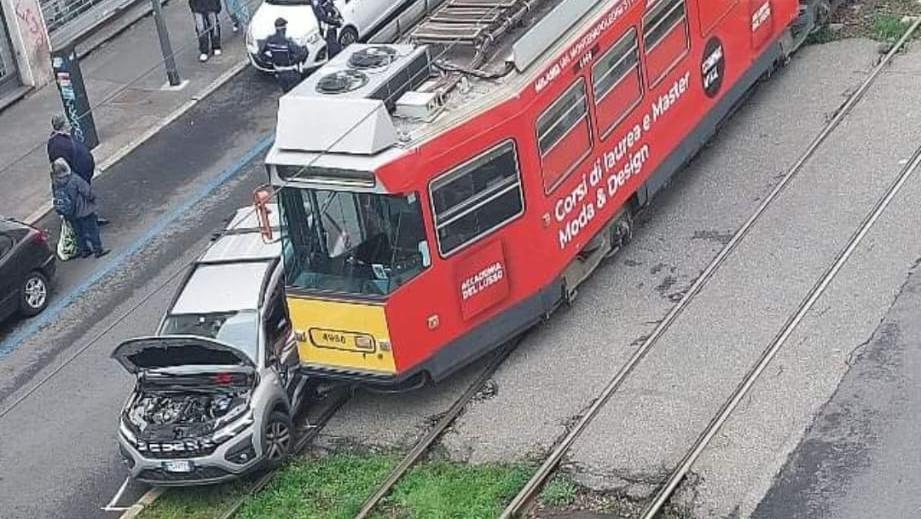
{"points": [[31, 45]]}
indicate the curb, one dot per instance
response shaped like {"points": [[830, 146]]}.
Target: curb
{"points": [[146, 500], [122, 152]]}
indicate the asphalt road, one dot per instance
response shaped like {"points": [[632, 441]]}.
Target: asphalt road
{"points": [[860, 458], [60, 393]]}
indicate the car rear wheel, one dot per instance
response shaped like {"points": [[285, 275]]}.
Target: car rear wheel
{"points": [[33, 295], [348, 36], [278, 438]]}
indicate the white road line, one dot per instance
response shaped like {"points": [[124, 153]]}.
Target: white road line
{"points": [[117, 497]]}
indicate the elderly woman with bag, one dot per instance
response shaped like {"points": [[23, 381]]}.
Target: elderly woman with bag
{"points": [[75, 201]]}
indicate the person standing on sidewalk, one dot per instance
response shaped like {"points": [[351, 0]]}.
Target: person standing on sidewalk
{"points": [[285, 55], [330, 22], [238, 11], [207, 27], [62, 145], [75, 201]]}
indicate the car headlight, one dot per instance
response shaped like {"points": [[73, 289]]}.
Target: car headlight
{"points": [[127, 433], [232, 423]]}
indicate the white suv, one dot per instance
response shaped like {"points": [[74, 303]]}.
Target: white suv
{"points": [[218, 384], [360, 18]]}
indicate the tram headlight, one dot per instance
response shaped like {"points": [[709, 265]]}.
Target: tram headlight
{"points": [[364, 343]]}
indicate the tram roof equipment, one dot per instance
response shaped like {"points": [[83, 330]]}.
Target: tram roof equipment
{"points": [[460, 57]]}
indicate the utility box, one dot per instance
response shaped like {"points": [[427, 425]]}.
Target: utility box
{"points": [[67, 75]]}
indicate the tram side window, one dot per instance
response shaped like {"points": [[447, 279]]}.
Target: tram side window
{"points": [[564, 136], [666, 37], [477, 198], [617, 83]]}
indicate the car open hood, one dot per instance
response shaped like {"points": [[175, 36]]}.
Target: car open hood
{"points": [[171, 351]]}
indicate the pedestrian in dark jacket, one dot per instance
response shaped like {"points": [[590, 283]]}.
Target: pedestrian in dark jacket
{"points": [[286, 56], [75, 201], [62, 145], [207, 27], [330, 22]]}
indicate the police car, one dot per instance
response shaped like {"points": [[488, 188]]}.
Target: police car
{"points": [[360, 18]]}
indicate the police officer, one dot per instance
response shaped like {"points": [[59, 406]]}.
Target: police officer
{"points": [[330, 18], [285, 55]]}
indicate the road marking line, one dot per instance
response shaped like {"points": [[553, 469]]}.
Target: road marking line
{"points": [[122, 152], [118, 495]]}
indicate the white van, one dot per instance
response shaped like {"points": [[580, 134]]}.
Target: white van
{"points": [[360, 17]]}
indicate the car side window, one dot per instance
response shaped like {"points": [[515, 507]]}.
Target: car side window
{"points": [[6, 245]]}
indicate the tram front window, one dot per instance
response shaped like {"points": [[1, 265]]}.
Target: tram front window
{"points": [[355, 243]]}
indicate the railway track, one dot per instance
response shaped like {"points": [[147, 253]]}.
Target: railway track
{"points": [[308, 434], [781, 338], [526, 498], [426, 442]]}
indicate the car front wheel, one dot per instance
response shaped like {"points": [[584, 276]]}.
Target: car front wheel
{"points": [[348, 36], [278, 438], [33, 295]]}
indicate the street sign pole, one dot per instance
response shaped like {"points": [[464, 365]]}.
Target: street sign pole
{"points": [[172, 74], [76, 103]]}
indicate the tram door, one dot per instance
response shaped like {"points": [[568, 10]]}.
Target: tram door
{"points": [[9, 77]]}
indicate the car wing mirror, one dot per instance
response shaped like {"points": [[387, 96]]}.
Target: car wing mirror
{"points": [[282, 325]]}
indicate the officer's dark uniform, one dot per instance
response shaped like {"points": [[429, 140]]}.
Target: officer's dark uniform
{"points": [[329, 16], [285, 55]]}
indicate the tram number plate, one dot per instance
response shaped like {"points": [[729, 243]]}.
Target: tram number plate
{"points": [[338, 340], [178, 466]]}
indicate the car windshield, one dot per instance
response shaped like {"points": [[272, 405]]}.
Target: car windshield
{"points": [[352, 243], [237, 329]]}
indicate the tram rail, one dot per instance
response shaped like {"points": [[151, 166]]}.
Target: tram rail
{"points": [[780, 339], [335, 402], [431, 438], [526, 498]]}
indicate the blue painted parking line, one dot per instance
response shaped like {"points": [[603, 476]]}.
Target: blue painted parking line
{"points": [[14, 341]]}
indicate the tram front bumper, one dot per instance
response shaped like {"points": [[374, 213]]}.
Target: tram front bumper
{"points": [[343, 339]]}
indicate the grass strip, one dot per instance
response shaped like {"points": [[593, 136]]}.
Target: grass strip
{"points": [[335, 486]]}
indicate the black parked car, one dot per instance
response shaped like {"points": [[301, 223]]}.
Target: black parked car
{"points": [[27, 263]]}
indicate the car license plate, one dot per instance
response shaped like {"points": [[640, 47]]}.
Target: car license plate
{"points": [[178, 466]]}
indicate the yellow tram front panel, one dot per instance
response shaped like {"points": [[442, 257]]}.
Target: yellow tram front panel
{"points": [[340, 335]]}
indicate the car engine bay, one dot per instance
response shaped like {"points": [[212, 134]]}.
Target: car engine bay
{"points": [[159, 414]]}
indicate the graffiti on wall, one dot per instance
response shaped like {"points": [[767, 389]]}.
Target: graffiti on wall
{"points": [[28, 14]]}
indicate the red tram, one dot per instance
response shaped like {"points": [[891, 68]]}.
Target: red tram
{"points": [[442, 194]]}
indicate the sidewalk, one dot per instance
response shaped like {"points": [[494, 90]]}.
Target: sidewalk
{"points": [[125, 82]]}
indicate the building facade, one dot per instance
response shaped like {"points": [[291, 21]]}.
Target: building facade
{"points": [[9, 75], [25, 46]]}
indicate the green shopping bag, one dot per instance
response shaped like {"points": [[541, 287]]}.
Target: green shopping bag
{"points": [[67, 244]]}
